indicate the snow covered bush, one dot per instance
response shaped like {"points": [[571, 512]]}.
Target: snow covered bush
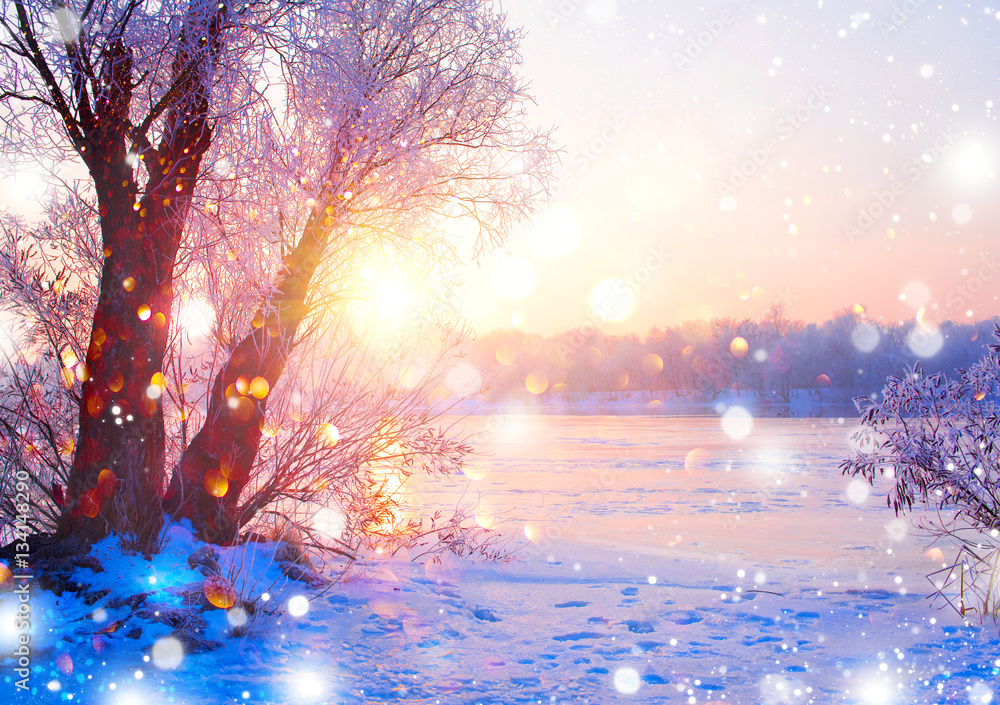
{"points": [[938, 439]]}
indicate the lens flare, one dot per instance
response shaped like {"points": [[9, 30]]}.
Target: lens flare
{"points": [[536, 382]]}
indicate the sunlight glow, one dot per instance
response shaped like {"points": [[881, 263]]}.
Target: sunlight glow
{"points": [[514, 279], [613, 300], [329, 523], [197, 318], [553, 234], [970, 164], [392, 297], [329, 434], [875, 693], [308, 686]]}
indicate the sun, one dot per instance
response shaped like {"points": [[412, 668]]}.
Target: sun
{"points": [[386, 294], [392, 297]]}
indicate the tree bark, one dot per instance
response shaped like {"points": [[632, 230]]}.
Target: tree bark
{"points": [[119, 463], [216, 467]]}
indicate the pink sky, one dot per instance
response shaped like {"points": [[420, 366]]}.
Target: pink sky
{"points": [[713, 178]]}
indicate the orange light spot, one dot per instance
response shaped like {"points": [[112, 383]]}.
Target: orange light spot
{"points": [[652, 364], [485, 517], [216, 483], [116, 382], [935, 554], [159, 320], [106, 482], [82, 372], [507, 353], [90, 504], [99, 337], [144, 312], [219, 592], [329, 434], [110, 629], [980, 395], [257, 321], [695, 461], [259, 387], [739, 347], [129, 284], [536, 382], [95, 405], [242, 385], [242, 409], [5, 573], [269, 429]]}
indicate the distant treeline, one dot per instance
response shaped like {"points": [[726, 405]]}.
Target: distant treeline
{"points": [[847, 356]]}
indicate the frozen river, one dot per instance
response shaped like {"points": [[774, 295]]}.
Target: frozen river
{"points": [[660, 485], [695, 560]]}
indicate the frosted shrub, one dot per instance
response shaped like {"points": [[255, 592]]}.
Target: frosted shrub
{"points": [[936, 437]]}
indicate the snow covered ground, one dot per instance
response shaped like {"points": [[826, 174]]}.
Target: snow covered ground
{"points": [[660, 560]]}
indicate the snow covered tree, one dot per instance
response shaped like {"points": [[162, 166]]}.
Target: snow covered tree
{"points": [[936, 438], [247, 161]]}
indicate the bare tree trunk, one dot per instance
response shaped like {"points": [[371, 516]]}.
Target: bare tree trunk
{"points": [[216, 467], [119, 469]]}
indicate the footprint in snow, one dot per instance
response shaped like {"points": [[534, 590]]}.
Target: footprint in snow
{"points": [[485, 614], [573, 603], [630, 591], [576, 636], [638, 627]]}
